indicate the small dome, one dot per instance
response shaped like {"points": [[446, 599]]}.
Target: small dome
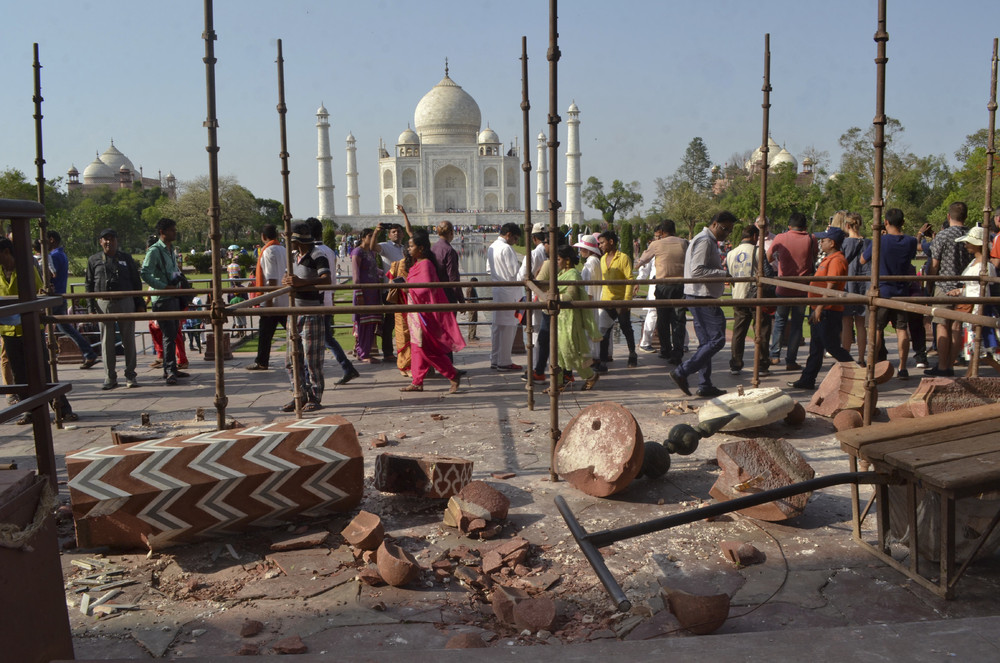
{"points": [[784, 157], [573, 107], [321, 111], [98, 172], [72, 170], [488, 136], [447, 115], [541, 136], [170, 177], [408, 137], [350, 137], [115, 159]]}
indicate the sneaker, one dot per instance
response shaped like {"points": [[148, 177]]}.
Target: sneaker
{"points": [[793, 367], [681, 382], [494, 367], [633, 360], [87, 363], [710, 392], [256, 367], [171, 379], [920, 361], [647, 349], [350, 375], [131, 384], [903, 374], [108, 386], [940, 373], [735, 371], [537, 378], [510, 367], [799, 384]]}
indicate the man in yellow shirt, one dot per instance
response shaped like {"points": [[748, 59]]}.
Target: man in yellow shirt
{"points": [[616, 266]]}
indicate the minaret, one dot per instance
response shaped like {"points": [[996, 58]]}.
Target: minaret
{"points": [[325, 160], [574, 195], [352, 176], [542, 188]]}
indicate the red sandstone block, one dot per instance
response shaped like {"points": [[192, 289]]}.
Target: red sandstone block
{"points": [[422, 476], [753, 466], [157, 493], [600, 450]]}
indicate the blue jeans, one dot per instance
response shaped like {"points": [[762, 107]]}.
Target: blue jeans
{"points": [[334, 346], [710, 328], [70, 330], [796, 313], [825, 338]]}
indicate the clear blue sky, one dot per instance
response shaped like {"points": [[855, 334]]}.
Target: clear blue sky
{"points": [[648, 76]]}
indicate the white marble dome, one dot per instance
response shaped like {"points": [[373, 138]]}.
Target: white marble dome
{"points": [[784, 157], [447, 115], [488, 137], [408, 137], [99, 172], [115, 159]]}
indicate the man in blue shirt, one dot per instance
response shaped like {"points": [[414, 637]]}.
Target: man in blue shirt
{"points": [[896, 254], [59, 268]]}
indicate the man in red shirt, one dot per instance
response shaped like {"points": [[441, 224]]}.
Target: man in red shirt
{"points": [[796, 253], [825, 320]]}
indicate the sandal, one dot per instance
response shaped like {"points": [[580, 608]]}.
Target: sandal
{"points": [[455, 384], [312, 406], [412, 387], [591, 382]]}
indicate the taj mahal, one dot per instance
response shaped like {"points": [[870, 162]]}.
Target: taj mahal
{"points": [[448, 166]]}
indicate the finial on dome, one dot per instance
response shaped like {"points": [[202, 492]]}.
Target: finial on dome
{"points": [[446, 66]]}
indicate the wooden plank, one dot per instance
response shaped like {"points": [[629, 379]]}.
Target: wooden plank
{"points": [[879, 450], [916, 457], [854, 439], [969, 475]]}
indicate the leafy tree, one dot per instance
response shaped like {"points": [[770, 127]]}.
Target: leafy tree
{"points": [[621, 199], [625, 244], [239, 214], [271, 211], [859, 156], [679, 200], [968, 182], [696, 166]]}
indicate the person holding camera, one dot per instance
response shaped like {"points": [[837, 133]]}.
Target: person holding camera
{"points": [[111, 270], [161, 272]]}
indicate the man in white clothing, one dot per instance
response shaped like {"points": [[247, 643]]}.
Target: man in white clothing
{"points": [[590, 252], [502, 265], [539, 254]]}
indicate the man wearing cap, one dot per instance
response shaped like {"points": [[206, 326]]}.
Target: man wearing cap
{"points": [[703, 260], [310, 268], [501, 264], [59, 268], [161, 272], [948, 258], [896, 254], [590, 252], [111, 270], [667, 254], [825, 321]]}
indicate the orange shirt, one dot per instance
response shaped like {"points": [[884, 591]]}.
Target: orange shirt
{"points": [[834, 264]]}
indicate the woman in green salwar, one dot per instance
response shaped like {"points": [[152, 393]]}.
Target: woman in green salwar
{"points": [[577, 327]]}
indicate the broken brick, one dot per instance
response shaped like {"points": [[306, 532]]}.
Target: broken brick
{"points": [[396, 566], [492, 562], [365, 531], [843, 388], [465, 641], [290, 645], [741, 554], [250, 628], [753, 466], [503, 601], [370, 576], [700, 615], [535, 614]]}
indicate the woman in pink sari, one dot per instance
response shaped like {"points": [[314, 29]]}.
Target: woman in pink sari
{"points": [[433, 334]]}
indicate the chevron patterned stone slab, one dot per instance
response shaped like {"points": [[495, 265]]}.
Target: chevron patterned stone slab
{"points": [[157, 493]]}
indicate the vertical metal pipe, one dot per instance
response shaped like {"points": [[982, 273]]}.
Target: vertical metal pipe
{"points": [[526, 168], [293, 333], [215, 234], [987, 208], [43, 225], [881, 37], [554, 204], [759, 344]]}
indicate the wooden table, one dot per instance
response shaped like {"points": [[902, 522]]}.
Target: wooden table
{"points": [[955, 455]]}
